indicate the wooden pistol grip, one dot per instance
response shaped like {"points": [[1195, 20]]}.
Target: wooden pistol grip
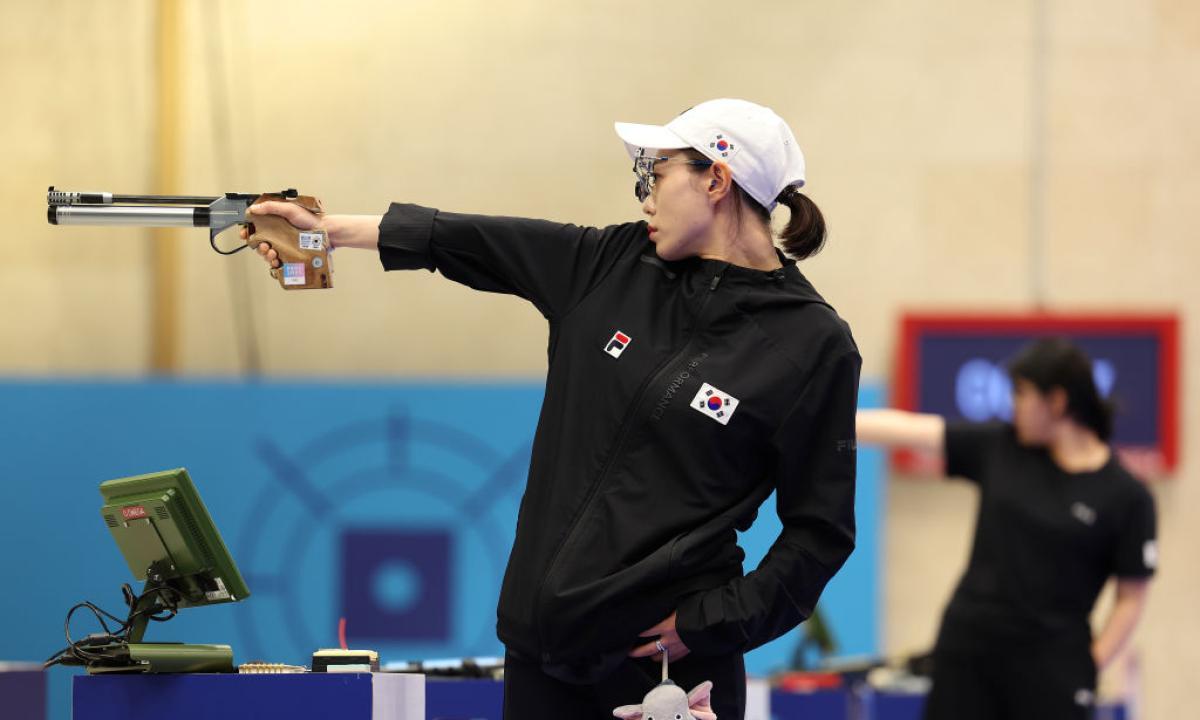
{"points": [[309, 203], [300, 268]]}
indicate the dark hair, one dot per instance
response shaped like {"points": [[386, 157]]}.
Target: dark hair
{"points": [[1055, 362], [804, 235]]}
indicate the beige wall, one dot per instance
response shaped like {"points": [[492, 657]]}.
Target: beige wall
{"points": [[959, 152]]}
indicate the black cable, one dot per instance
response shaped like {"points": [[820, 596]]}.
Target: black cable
{"points": [[81, 650], [75, 647], [152, 612], [108, 636]]}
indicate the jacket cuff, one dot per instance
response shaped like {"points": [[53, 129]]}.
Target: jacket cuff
{"points": [[404, 236], [691, 624]]}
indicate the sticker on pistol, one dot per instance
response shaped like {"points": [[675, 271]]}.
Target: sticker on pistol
{"points": [[293, 273], [312, 240]]}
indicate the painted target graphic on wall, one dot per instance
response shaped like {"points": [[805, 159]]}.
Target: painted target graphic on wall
{"points": [[399, 524]]}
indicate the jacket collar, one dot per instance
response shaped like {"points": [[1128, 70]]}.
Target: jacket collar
{"points": [[727, 271]]}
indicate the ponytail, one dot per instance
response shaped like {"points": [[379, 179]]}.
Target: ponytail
{"points": [[805, 234]]}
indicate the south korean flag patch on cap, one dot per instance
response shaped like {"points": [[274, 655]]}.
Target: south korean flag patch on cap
{"points": [[712, 402]]}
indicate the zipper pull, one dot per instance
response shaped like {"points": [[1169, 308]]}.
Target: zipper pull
{"points": [[717, 278]]}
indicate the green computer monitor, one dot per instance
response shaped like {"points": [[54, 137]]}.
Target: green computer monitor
{"points": [[168, 538]]}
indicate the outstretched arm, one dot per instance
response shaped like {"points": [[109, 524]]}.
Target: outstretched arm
{"points": [[902, 430], [356, 231], [553, 265]]}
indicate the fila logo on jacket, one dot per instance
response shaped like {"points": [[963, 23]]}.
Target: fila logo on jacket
{"points": [[617, 344]]}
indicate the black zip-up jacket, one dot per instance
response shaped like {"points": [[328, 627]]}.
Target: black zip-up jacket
{"points": [[636, 487]]}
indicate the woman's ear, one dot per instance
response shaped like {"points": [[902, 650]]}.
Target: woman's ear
{"points": [[721, 182], [1057, 398]]}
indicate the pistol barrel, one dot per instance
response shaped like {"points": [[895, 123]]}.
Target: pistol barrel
{"points": [[145, 216]]}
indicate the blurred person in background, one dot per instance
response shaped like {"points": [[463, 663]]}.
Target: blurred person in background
{"points": [[1058, 516], [693, 371]]}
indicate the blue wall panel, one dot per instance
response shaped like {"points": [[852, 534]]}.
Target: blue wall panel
{"points": [[392, 505]]}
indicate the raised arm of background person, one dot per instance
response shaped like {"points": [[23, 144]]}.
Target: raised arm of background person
{"points": [[814, 485], [1126, 611], [902, 430]]}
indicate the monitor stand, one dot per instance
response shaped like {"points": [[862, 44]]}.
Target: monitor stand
{"points": [[135, 656]]}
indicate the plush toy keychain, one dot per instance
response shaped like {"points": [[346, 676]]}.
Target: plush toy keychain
{"points": [[667, 701]]}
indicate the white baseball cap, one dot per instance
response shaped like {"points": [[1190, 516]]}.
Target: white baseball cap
{"points": [[756, 143]]}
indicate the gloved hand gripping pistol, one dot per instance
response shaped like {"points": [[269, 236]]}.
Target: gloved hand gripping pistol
{"points": [[303, 254]]}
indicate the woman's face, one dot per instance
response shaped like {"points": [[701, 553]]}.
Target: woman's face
{"points": [[1033, 413], [678, 210]]}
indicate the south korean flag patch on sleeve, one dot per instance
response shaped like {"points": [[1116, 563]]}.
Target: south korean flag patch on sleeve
{"points": [[712, 402]]}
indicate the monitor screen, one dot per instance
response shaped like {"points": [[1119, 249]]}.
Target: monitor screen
{"points": [[167, 536]]}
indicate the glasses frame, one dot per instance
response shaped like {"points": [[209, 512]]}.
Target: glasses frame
{"points": [[643, 168]]}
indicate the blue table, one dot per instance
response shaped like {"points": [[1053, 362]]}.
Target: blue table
{"points": [[871, 704], [22, 690], [909, 706], [816, 705], [888, 705], [448, 699], [308, 696]]}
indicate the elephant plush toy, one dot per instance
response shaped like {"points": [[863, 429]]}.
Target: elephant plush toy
{"points": [[667, 701]]}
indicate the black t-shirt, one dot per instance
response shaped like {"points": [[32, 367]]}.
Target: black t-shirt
{"points": [[1046, 540]]}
